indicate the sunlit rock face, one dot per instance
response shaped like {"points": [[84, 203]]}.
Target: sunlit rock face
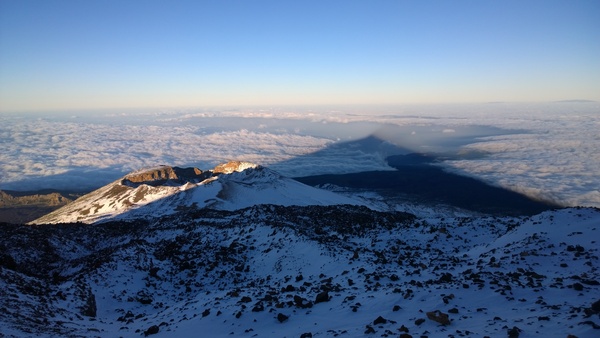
{"points": [[164, 174], [233, 166]]}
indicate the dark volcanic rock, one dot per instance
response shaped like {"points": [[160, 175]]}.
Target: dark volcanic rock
{"points": [[438, 316], [144, 298], [514, 332], [89, 307], [152, 330], [445, 278], [322, 297], [7, 261], [380, 320], [281, 317]]}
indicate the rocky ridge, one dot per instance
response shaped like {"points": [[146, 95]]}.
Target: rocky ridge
{"points": [[50, 199], [22, 207], [165, 174], [164, 190]]}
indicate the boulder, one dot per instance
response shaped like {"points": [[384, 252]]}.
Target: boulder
{"points": [[439, 317], [380, 320], [281, 317], [151, 330], [322, 297], [514, 332]]}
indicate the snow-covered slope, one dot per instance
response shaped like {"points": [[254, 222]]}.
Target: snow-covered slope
{"points": [[160, 191], [312, 271]]}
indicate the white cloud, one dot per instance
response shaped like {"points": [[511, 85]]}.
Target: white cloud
{"points": [[37, 154], [551, 153]]}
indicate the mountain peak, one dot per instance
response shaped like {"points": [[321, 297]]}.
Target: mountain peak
{"points": [[234, 166]]}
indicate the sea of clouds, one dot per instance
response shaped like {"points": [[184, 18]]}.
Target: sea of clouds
{"points": [[547, 151]]}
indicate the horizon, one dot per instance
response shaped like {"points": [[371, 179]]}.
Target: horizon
{"points": [[311, 108], [71, 55]]}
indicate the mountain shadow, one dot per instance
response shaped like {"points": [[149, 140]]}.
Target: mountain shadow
{"points": [[416, 178]]}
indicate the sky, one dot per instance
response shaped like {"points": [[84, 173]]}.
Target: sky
{"points": [[70, 55]]}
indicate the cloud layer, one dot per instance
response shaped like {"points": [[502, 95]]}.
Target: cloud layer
{"points": [[546, 151], [37, 153]]}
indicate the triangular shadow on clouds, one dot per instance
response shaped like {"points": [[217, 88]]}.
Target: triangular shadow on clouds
{"points": [[422, 178]]}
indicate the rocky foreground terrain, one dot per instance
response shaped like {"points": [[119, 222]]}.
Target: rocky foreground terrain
{"points": [[304, 271]]}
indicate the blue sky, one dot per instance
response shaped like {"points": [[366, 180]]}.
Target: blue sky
{"points": [[62, 55]]}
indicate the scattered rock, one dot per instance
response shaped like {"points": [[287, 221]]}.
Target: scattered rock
{"points": [[144, 298], [514, 332], [89, 308], [577, 248], [380, 320], [259, 307], [7, 261], [151, 330], [591, 323], [281, 317], [445, 278], [322, 297], [420, 321], [438, 316]]}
